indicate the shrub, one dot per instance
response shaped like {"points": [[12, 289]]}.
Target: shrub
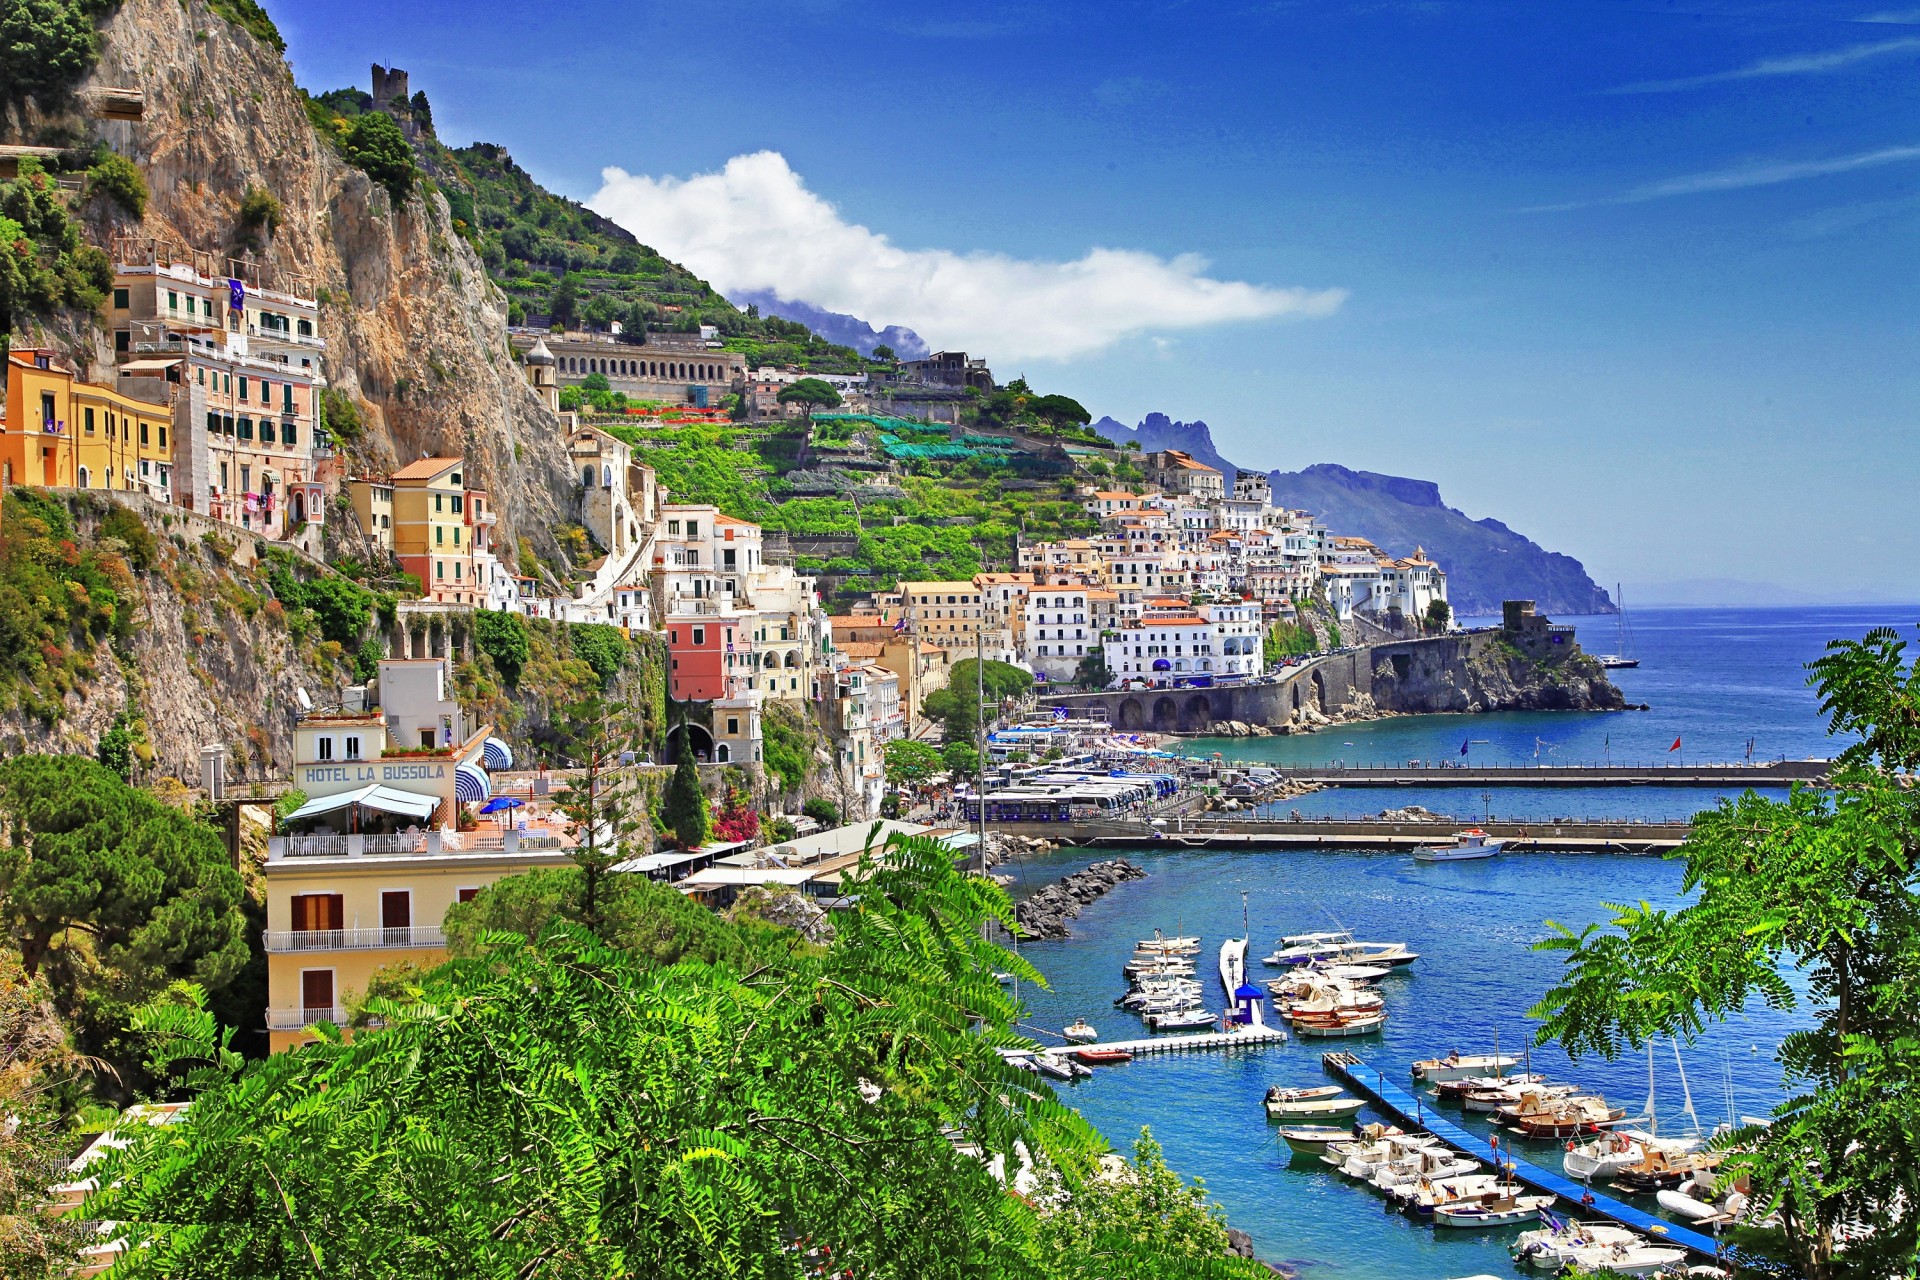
{"points": [[260, 211], [119, 180], [375, 144], [45, 46], [503, 638], [823, 811], [604, 648], [125, 524]]}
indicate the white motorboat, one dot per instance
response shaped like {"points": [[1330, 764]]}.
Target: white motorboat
{"points": [[1610, 1153], [1422, 1196], [1310, 1104], [1551, 1247], [1455, 1065], [1468, 846], [1429, 1163], [1363, 1159], [1049, 1065], [1299, 948], [1161, 944], [1457, 1090], [1636, 1258], [1322, 1026], [1180, 1019], [1079, 1032], [1491, 1213], [1500, 1097]]}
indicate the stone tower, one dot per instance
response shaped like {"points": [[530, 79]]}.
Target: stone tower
{"points": [[389, 89], [540, 372]]}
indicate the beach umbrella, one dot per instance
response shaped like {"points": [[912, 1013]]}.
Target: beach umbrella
{"points": [[500, 803]]}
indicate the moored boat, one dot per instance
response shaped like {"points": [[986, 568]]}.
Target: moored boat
{"points": [[1313, 1139], [1319, 1104], [1468, 846], [1180, 1019], [1502, 1212], [1609, 1153], [1551, 1247], [1080, 1032], [1103, 1057], [1567, 1118], [1324, 1026], [1456, 1091], [1456, 1064], [1636, 1258], [1518, 1098]]}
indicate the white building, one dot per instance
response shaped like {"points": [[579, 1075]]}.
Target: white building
{"points": [[1059, 630], [1161, 647]]}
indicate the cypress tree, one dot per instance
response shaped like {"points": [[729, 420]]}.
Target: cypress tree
{"points": [[685, 809]]}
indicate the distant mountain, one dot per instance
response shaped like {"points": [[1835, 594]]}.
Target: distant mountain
{"points": [[1486, 562], [1157, 432], [835, 326]]}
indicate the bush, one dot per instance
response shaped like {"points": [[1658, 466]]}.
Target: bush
{"points": [[604, 648], [375, 144], [119, 180], [339, 415], [45, 46], [260, 211], [502, 637], [823, 811], [125, 524]]}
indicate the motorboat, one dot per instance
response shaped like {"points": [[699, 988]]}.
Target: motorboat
{"points": [[1657, 1171], [1503, 1212], [1102, 1057], [1430, 1163], [1568, 1118], [1456, 1091], [1635, 1258], [1362, 1159], [1421, 1196], [1180, 1019], [1325, 1026], [1299, 948], [1468, 846], [1303, 983], [1609, 1153], [1315, 1104], [1079, 1032], [1157, 966], [1313, 1139], [1517, 1097], [1457, 1065], [1048, 1065], [1161, 944], [1551, 1247], [1330, 999]]}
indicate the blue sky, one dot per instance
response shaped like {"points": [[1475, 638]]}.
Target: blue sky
{"points": [[1640, 279]]}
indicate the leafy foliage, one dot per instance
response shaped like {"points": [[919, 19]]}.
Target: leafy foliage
{"points": [[251, 18], [910, 763], [341, 607], [784, 744], [810, 394], [119, 180], [1825, 884], [960, 758], [44, 262], [822, 810], [1103, 1228], [604, 648], [374, 143], [58, 602], [564, 1109], [502, 637], [111, 895], [1288, 639], [958, 705], [260, 213], [45, 47], [685, 811], [603, 802], [39, 1071]]}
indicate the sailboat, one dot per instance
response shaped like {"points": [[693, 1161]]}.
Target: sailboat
{"points": [[1622, 655], [1245, 1002]]}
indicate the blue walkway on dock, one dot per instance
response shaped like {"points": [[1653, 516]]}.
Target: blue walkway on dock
{"points": [[1413, 1111]]}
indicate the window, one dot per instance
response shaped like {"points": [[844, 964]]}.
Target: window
{"points": [[246, 428], [266, 430], [316, 994], [733, 726], [289, 434], [439, 534], [396, 914], [173, 300], [323, 749], [439, 569], [673, 528], [460, 895], [455, 479], [86, 417], [699, 636], [243, 387], [120, 300], [313, 912], [426, 737], [459, 505], [122, 341], [693, 528], [143, 433]]}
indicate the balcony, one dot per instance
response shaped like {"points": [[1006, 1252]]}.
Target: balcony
{"points": [[301, 1019], [352, 846], [281, 941]]}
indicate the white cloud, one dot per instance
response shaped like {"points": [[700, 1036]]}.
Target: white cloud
{"points": [[1799, 64], [755, 225], [1742, 177]]}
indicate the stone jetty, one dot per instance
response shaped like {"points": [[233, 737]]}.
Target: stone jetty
{"points": [[1045, 914]]}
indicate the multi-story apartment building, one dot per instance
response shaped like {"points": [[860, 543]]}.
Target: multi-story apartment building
{"points": [[61, 431], [1059, 630], [1161, 648], [1237, 637], [247, 359], [947, 614], [439, 528]]}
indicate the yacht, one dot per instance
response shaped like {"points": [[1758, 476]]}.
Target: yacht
{"points": [[1622, 656]]}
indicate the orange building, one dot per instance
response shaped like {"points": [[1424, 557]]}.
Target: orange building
{"points": [[62, 432]]}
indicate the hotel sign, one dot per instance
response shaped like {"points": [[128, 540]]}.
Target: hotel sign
{"points": [[403, 775]]}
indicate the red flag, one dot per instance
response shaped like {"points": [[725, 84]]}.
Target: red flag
{"points": [[1675, 746]]}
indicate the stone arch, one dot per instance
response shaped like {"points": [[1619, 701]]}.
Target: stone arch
{"points": [[773, 660], [1132, 714], [1197, 715], [1320, 691], [1166, 714], [793, 658], [698, 737]]}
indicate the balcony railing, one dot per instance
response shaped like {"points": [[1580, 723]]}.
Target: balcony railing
{"points": [[301, 1019], [285, 940], [352, 846]]}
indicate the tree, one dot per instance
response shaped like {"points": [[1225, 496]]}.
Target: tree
{"points": [[45, 46], [1092, 671], [822, 810], [595, 382], [503, 637], [603, 804], [39, 1074], [1824, 884], [562, 1108], [563, 308], [810, 394], [910, 763], [1110, 1219], [882, 351], [685, 811], [961, 759], [375, 144], [260, 213], [1438, 614], [1060, 411], [111, 895], [119, 180], [958, 705]]}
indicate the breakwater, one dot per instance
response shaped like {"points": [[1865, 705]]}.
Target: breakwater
{"points": [[1045, 914]]}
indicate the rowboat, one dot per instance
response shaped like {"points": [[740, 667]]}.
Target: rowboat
{"points": [[1325, 1027], [1319, 1104], [1313, 1139], [1103, 1057], [1567, 1118], [1455, 1065], [1495, 1213]]}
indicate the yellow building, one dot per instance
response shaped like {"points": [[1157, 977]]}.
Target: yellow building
{"points": [[373, 503], [61, 432], [947, 614], [426, 525]]}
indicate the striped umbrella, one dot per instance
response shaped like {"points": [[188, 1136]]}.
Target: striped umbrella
{"points": [[470, 785], [497, 754]]}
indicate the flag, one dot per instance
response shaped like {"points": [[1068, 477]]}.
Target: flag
{"points": [[1463, 745], [236, 294], [1675, 746]]}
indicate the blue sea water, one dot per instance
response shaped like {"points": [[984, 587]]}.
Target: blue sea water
{"points": [[1716, 678]]}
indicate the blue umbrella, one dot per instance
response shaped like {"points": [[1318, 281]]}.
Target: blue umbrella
{"points": [[499, 803]]}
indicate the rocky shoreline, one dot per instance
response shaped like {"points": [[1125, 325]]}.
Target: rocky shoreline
{"points": [[1046, 913]]}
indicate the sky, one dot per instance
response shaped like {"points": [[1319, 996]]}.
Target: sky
{"points": [[1640, 279]]}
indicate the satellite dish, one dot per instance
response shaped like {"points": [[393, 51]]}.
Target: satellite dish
{"points": [[300, 696]]}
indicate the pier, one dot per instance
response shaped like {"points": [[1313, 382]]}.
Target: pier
{"points": [[1244, 1038], [1215, 832], [1420, 773], [1414, 1112]]}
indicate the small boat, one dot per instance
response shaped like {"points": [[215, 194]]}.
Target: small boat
{"points": [[1431, 1164], [1468, 846], [1566, 1118], [1503, 1212], [1321, 1026], [1609, 1153], [1162, 944], [1638, 1258], [1313, 1139], [1621, 659], [1048, 1065], [1519, 1098], [1328, 1104], [1080, 1033], [1657, 1171], [1103, 1057], [1299, 948], [1363, 1159], [1456, 1065], [1551, 1247], [1456, 1091], [1423, 1196], [1180, 1019]]}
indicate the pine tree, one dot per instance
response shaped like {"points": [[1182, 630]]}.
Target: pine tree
{"points": [[685, 811]]}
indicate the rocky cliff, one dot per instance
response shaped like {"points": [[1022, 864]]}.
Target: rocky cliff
{"points": [[415, 332], [1484, 671]]}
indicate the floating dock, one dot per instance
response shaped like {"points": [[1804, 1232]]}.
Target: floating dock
{"points": [[1418, 1113], [1245, 1038]]}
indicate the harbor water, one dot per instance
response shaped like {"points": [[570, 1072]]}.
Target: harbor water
{"points": [[1716, 679]]}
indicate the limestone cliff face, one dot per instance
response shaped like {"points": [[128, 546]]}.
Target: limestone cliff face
{"points": [[415, 331], [1480, 672]]}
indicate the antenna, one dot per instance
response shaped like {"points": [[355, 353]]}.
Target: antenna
{"points": [[300, 696]]}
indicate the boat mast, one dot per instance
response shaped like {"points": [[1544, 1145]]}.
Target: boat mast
{"points": [[1685, 1091]]}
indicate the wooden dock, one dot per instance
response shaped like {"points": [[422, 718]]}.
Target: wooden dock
{"points": [[1244, 1038], [1416, 1113]]}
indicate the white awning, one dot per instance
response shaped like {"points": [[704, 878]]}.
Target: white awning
{"points": [[385, 799], [150, 366]]}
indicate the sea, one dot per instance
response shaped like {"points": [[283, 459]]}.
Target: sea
{"points": [[1726, 684]]}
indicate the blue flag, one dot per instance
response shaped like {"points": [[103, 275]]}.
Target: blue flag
{"points": [[236, 294], [1463, 745]]}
